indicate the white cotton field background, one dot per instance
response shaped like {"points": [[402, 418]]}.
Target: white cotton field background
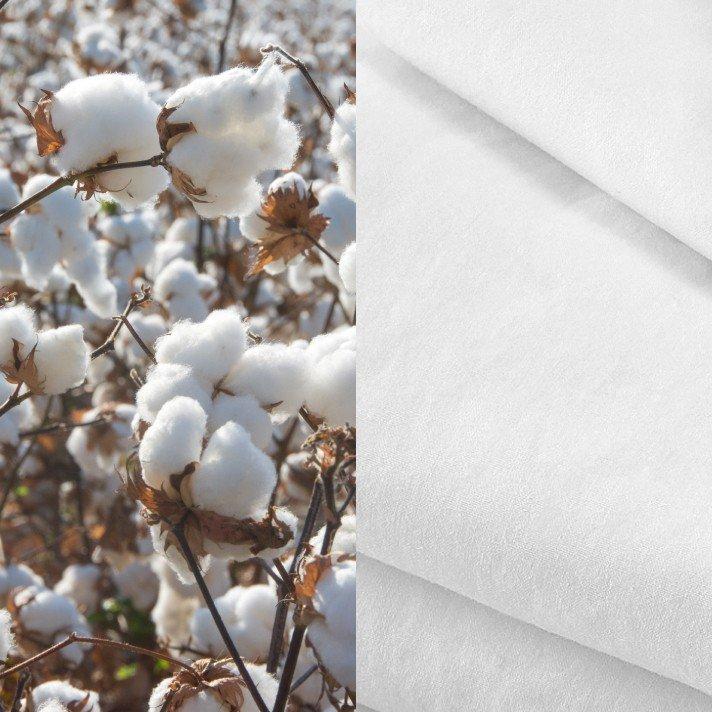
{"points": [[178, 355]]}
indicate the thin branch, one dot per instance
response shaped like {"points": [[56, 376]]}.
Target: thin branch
{"points": [[226, 35], [14, 400], [320, 247], [74, 638], [134, 302], [61, 427], [328, 107], [290, 665], [303, 678], [137, 338], [71, 178], [20, 691], [308, 418], [179, 533]]}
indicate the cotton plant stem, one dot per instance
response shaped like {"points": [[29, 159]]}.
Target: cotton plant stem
{"points": [[20, 691], [328, 107], [226, 35], [138, 339], [290, 665], [74, 638], [61, 427], [179, 534], [73, 177], [280, 618], [134, 302], [14, 400], [303, 678]]}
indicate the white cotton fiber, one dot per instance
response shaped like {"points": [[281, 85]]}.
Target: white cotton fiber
{"points": [[52, 706], [344, 540], [347, 268], [245, 411], [210, 348], [62, 208], [39, 246], [173, 441], [137, 582], [235, 477], [66, 694], [105, 116], [331, 387], [166, 381], [6, 637], [9, 195], [11, 422], [342, 145], [239, 133], [16, 576], [275, 374], [62, 358], [183, 290], [248, 613], [16, 322], [79, 582], [333, 635]]}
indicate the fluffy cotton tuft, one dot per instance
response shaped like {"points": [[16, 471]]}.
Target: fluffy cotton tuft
{"points": [[239, 133], [342, 145], [18, 323], [235, 477], [62, 358], [183, 290], [79, 583], [65, 694], [173, 441], [333, 632], [110, 116], [347, 268]]}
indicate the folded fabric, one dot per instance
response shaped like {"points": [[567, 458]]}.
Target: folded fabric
{"points": [[535, 402], [619, 91], [471, 657]]}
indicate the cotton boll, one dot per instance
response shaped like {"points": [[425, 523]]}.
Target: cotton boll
{"points": [[17, 576], [248, 612], [299, 276], [332, 388], [11, 422], [333, 633], [65, 694], [110, 116], [173, 441], [52, 706], [39, 246], [182, 290], [275, 374], [341, 230], [347, 268], [16, 322], [79, 582], [6, 636], [98, 45], [342, 145], [183, 230], [210, 348], [164, 253], [245, 411], [344, 540], [61, 358], [166, 381], [62, 209], [289, 181], [10, 262], [235, 477], [138, 583]]}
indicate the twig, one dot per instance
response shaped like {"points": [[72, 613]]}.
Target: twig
{"points": [[135, 301], [14, 399], [328, 107], [179, 534], [19, 691], [62, 427], [290, 665], [308, 418], [74, 638], [137, 338], [280, 618], [200, 245], [226, 35], [72, 177], [320, 247]]}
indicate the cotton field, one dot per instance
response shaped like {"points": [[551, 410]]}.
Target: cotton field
{"points": [[177, 355]]}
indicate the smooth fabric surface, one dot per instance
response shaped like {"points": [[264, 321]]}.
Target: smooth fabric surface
{"points": [[535, 398], [471, 657], [618, 91]]}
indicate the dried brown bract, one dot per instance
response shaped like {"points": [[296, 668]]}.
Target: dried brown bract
{"points": [[212, 676], [49, 140], [23, 370], [292, 227]]}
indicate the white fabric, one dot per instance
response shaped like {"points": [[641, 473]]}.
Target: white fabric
{"points": [[535, 398], [471, 657], [619, 91]]}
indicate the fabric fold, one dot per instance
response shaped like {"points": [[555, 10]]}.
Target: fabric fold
{"points": [[545, 376], [471, 657], [619, 92]]}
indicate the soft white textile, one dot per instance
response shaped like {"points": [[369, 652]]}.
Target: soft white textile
{"points": [[472, 658], [535, 398], [619, 91]]}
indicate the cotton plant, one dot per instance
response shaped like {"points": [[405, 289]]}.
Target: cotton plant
{"points": [[184, 292], [66, 696], [127, 243], [342, 145]]}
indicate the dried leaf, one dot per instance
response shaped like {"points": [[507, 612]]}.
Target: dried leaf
{"points": [[49, 140], [350, 95], [292, 227], [23, 370], [91, 185], [168, 133], [183, 182], [79, 705], [308, 575]]}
